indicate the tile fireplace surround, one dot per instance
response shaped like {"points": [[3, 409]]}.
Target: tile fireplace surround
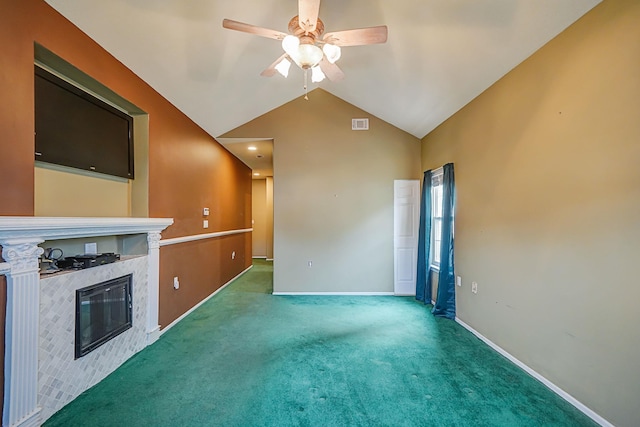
{"points": [[28, 388]]}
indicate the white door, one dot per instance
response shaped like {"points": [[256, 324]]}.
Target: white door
{"points": [[406, 220]]}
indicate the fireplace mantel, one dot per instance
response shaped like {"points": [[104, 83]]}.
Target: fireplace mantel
{"points": [[19, 238], [53, 228]]}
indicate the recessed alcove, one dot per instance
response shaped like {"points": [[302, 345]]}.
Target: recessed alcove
{"points": [[61, 191]]}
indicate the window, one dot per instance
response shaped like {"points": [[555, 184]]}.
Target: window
{"points": [[436, 215]]}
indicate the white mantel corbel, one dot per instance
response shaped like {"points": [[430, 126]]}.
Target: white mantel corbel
{"points": [[19, 238]]}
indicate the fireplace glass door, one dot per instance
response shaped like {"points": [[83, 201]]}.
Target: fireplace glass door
{"points": [[103, 311]]}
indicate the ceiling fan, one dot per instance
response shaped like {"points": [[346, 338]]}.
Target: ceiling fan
{"points": [[308, 46]]}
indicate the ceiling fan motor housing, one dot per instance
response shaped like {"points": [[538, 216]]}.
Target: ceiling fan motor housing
{"points": [[306, 37]]}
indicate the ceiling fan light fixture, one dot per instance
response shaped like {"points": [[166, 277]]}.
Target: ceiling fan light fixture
{"points": [[283, 67], [308, 56], [317, 75], [290, 45], [332, 52]]}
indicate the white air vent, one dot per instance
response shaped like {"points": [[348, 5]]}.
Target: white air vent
{"points": [[359, 124]]}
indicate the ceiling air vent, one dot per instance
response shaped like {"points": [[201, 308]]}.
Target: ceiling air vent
{"points": [[359, 124]]}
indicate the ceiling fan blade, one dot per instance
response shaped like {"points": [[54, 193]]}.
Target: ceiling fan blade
{"points": [[332, 71], [252, 29], [308, 14], [270, 71], [357, 37]]}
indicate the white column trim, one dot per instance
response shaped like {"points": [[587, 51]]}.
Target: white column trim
{"points": [[153, 286], [21, 332], [193, 237]]}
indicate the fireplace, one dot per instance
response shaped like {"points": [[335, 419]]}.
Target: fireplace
{"points": [[103, 311], [41, 371]]}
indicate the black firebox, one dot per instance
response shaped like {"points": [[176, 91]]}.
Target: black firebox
{"points": [[103, 311]]}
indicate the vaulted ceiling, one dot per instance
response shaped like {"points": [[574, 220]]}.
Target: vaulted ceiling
{"points": [[440, 54]]}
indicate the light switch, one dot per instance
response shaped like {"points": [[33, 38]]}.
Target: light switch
{"points": [[205, 211]]}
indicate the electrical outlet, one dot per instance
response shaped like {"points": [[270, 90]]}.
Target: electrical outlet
{"points": [[310, 263], [176, 283], [458, 281], [205, 223], [233, 255], [205, 211], [474, 287], [90, 248]]}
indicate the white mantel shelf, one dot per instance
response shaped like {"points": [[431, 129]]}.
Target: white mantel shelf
{"points": [[52, 228], [19, 238]]}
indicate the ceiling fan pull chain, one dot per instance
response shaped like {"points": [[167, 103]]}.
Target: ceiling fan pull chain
{"points": [[305, 85]]}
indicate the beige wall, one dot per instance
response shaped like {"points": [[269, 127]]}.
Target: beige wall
{"points": [[262, 209], [548, 217], [269, 212], [333, 194], [259, 217], [65, 192]]}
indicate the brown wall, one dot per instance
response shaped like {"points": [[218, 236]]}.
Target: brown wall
{"points": [[188, 169], [186, 260]]}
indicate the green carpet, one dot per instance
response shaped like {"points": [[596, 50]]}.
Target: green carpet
{"points": [[248, 358]]}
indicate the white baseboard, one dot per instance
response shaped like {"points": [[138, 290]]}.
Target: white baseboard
{"points": [[566, 396], [259, 257], [152, 336], [175, 322], [31, 420], [358, 294]]}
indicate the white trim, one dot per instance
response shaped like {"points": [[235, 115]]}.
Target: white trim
{"points": [[566, 396], [193, 237], [437, 171], [5, 267], [153, 335], [31, 420], [226, 141], [51, 228], [269, 259], [259, 257], [348, 294], [192, 309]]}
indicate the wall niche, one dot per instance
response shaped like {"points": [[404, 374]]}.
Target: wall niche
{"points": [[61, 191]]}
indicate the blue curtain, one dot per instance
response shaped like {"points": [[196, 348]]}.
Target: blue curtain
{"points": [[445, 305], [423, 278]]}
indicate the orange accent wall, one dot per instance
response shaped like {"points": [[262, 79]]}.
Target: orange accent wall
{"points": [[188, 169]]}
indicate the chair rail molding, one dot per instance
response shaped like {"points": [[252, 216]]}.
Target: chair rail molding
{"points": [[19, 238]]}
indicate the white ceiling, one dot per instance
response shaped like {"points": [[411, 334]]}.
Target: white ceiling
{"points": [[439, 56]]}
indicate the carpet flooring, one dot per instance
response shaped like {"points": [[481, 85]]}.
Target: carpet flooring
{"points": [[248, 358]]}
